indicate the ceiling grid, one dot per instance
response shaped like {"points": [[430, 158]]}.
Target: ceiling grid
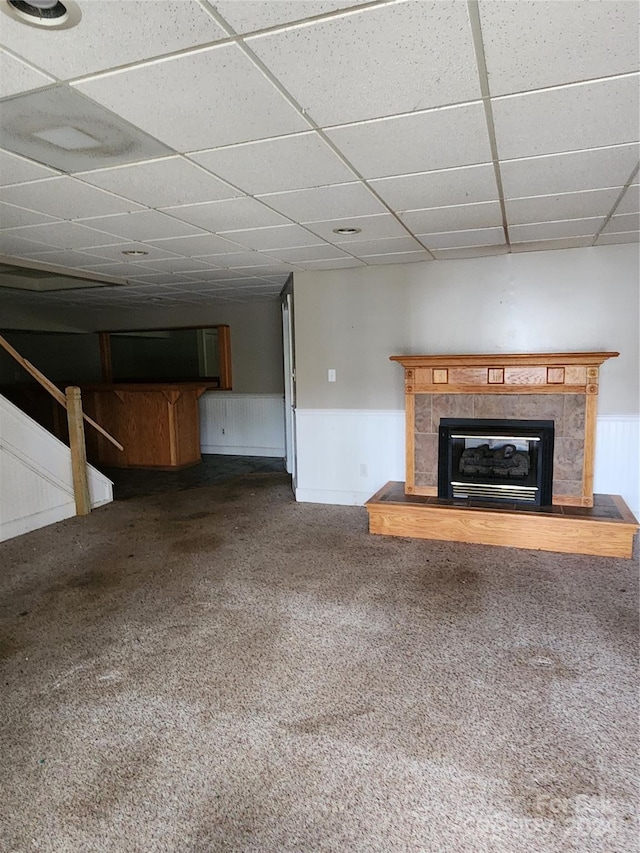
{"points": [[232, 141]]}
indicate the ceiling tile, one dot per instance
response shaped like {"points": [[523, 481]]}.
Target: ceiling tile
{"points": [[320, 203], [66, 198], [623, 222], [161, 183], [460, 239], [214, 275], [114, 252], [15, 217], [175, 100], [10, 244], [201, 244], [275, 165], [309, 253], [233, 215], [240, 260], [400, 258], [435, 189], [547, 245], [377, 227], [333, 264], [377, 62], [113, 33], [555, 230], [470, 252], [104, 140], [276, 237], [587, 115], [261, 271], [572, 172], [176, 265], [424, 142], [530, 45], [18, 170], [159, 278], [463, 217], [247, 16], [17, 77], [362, 248], [142, 226], [553, 208], [630, 201], [65, 235], [123, 270], [619, 237]]}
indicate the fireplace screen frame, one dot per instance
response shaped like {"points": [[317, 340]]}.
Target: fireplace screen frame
{"points": [[538, 433]]}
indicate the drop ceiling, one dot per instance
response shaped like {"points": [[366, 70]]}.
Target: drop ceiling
{"points": [[229, 140]]}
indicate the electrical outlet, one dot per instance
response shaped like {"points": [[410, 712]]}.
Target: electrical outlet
{"points": [[331, 375], [223, 431]]}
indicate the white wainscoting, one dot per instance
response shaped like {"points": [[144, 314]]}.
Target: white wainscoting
{"points": [[36, 485], [242, 424], [617, 463], [344, 456], [333, 445]]}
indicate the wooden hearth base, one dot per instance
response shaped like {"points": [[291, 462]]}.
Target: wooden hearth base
{"points": [[605, 530]]}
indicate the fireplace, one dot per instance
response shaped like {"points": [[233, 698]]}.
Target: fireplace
{"points": [[482, 408], [558, 387], [509, 461]]}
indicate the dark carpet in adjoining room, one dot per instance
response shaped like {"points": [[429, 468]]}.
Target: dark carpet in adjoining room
{"points": [[213, 468], [223, 669]]}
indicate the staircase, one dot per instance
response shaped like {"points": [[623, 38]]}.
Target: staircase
{"points": [[36, 481]]}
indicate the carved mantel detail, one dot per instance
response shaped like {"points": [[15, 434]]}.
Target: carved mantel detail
{"points": [[562, 387]]}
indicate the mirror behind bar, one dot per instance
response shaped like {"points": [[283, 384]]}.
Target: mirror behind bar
{"points": [[184, 354]]}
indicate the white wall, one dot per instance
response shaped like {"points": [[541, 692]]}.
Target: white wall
{"points": [[353, 320], [566, 300]]}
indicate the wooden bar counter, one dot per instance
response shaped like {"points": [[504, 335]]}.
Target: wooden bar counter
{"points": [[157, 423]]}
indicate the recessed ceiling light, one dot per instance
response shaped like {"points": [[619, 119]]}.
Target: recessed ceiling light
{"points": [[135, 253], [43, 13], [347, 230]]}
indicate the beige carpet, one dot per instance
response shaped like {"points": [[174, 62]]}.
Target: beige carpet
{"points": [[223, 669]]}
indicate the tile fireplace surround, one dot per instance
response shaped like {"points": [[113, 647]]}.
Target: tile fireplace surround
{"points": [[562, 387]]}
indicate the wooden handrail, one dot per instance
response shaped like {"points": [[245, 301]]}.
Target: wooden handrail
{"points": [[55, 392]]}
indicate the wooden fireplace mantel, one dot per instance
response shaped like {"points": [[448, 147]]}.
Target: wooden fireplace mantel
{"points": [[562, 387], [563, 372], [559, 386]]}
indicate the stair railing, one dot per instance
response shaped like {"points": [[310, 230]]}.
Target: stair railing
{"points": [[71, 400]]}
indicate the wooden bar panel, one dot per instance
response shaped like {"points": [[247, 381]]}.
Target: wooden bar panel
{"points": [[157, 424]]}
